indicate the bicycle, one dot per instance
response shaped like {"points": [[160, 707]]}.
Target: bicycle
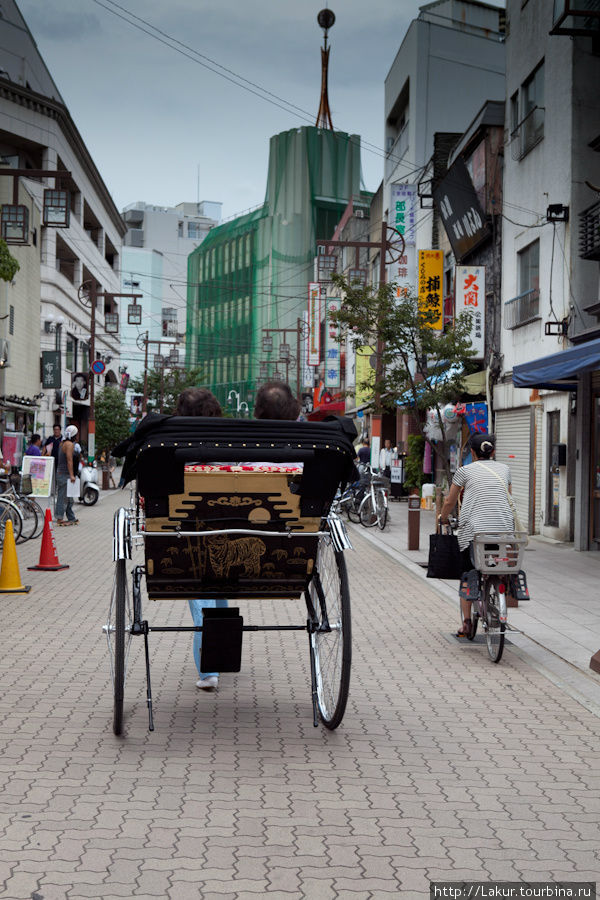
{"points": [[10, 512], [17, 488], [373, 509], [497, 558]]}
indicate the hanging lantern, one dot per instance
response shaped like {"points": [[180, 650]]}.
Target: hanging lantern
{"points": [[267, 343], [284, 352], [56, 212], [15, 223], [159, 362], [277, 376], [326, 266], [263, 370], [134, 314], [174, 356], [357, 276], [111, 323]]}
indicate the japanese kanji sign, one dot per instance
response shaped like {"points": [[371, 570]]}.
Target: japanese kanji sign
{"points": [[402, 210], [431, 275], [470, 298], [365, 374], [307, 373], [314, 324], [51, 369], [332, 346], [406, 277]]}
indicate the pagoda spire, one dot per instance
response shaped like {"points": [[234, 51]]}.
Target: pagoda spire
{"points": [[326, 18]]}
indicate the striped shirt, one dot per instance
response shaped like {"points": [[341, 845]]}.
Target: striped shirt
{"points": [[485, 506]]}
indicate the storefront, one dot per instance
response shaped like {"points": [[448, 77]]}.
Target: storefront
{"points": [[571, 458]]}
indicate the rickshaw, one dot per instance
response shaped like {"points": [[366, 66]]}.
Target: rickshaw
{"points": [[236, 509]]}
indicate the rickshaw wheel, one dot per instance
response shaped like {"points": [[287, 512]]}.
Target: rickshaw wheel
{"points": [[332, 650], [120, 603]]}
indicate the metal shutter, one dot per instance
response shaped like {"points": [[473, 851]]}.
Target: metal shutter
{"points": [[539, 480], [513, 427]]}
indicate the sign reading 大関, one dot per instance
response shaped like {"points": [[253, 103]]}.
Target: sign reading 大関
{"points": [[470, 298], [431, 273], [332, 346]]}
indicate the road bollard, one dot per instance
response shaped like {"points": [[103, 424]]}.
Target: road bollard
{"points": [[414, 521]]}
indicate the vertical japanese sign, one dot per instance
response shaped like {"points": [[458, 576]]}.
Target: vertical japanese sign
{"points": [[402, 205], [470, 298], [314, 324], [51, 368], [307, 373], [431, 273], [332, 346], [365, 374]]}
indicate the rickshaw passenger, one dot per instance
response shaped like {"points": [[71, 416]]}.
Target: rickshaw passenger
{"points": [[201, 402]]}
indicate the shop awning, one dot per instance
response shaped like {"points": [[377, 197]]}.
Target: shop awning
{"points": [[333, 408], [559, 371]]}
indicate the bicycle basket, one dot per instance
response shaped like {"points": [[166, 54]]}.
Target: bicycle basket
{"points": [[15, 479], [499, 553], [26, 486]]}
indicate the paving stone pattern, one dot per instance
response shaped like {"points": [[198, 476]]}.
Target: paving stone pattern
{"points": [[445, 767]]}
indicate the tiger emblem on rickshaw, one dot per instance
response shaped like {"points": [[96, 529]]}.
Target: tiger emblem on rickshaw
{"points": [[225, 554]]}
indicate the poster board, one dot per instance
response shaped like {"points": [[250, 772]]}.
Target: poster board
{"points": [[40, 468], [12, 448]]}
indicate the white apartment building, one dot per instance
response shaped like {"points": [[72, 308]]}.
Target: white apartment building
{"points": [[37, 132], [547, 404], [450, 62], [155, 255]]}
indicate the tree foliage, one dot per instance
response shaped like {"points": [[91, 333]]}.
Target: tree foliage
{"points": [[8, 264], [168, 385], [418, 365], [112, 419]]}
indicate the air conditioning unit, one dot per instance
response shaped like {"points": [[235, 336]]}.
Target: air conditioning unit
{"points": [[359, 213]]}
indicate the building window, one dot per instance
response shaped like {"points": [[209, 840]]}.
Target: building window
{"points": [[193, 230], [180, 229], [529, 268], [525, 307], [84, 352], [71, 355], [530, 111]]}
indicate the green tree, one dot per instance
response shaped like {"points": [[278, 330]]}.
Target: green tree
{"points": [[8, 264], [112, 419], [418, 365], [167, 385]]}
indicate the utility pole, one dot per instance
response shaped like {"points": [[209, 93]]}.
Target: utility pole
{"points": [[391, 248], [146, 341], [288, 361]]}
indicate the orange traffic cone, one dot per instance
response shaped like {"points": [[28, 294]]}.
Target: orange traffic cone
{"points": [[48, 555], [10, 577]]}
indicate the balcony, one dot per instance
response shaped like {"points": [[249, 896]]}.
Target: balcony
{"points": [[528, 133], [522, 309], [589, 232], [576, 17]]}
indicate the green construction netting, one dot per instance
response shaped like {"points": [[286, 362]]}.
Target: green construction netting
{"points": [[253, 272]]}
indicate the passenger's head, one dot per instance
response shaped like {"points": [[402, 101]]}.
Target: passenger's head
{"points": [[274, 400], [197, 402], [483, 446]]}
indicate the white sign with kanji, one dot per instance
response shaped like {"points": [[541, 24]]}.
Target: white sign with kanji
{"points": [[314, 324], [470, 298], [332, 346]]}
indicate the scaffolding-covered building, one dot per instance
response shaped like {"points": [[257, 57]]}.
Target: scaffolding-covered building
{"points": [[252, 273]]}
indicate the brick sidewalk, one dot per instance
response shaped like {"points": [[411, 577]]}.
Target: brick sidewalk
{"points": [[445, 767]]}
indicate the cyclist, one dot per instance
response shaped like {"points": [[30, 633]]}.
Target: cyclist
{"points": [[485, 507]]}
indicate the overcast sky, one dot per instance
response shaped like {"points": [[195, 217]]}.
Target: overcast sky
{"points": [[153, 118]]}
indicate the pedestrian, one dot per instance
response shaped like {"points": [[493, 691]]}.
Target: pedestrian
{"points": [[364, 452], [485, 508], [385, 458], [274, 400], [65, 473], [52, 444], [34, 447], [201, 402]]}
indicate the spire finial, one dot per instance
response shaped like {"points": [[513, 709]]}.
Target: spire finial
{"points": [[326, 19]]}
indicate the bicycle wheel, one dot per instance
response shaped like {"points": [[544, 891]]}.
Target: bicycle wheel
{"points": [[118, 632], [30, 518], [367, 512], [381, 509], [352, 512], [494, 628], [9, 512], [41, 514], [474, 619], [331, 648]]}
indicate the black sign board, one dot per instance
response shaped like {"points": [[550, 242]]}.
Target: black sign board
{"points": [[51, 369], [460, 210]]}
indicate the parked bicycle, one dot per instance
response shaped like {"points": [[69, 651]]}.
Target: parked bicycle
{"points": [[373, 509], [497, 558], [10, 512], [17, 488]]}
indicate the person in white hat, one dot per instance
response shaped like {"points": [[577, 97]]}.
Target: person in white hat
{"points": [[65, 472]]}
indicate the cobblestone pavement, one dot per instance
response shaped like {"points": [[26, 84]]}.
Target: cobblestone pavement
{"points": [[445, 767]]}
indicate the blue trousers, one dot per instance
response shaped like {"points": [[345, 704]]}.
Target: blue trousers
{"points": [[196, 607]]}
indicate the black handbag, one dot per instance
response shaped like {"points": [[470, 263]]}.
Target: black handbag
{"points": [[445, 556]]}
